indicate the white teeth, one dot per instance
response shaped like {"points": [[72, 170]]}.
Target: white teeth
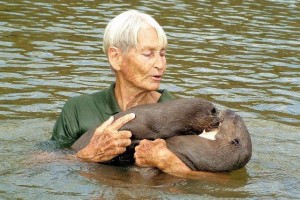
{"points": [[210, 134]]}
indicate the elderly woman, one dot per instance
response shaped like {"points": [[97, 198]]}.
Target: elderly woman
{"points": [[135, 45]]}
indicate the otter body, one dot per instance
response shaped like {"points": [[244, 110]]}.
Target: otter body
{"points": [[181, 122]]}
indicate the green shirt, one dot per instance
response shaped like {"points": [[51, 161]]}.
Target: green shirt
{"points": [[81, 113]]}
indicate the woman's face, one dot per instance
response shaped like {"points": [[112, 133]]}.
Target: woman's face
{"points": [[144, 67]]}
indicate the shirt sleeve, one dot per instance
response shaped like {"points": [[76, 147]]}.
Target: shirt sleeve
{"points": [[66, 128]]}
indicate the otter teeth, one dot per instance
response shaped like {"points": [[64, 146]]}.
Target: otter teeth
{"points": [[209, 135]]}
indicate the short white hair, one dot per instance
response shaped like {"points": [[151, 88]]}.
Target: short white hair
{"points": [[122, 31]]}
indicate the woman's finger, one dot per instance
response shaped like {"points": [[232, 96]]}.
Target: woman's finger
{"points": [[122, 121], [103, 126], [124, 135]]}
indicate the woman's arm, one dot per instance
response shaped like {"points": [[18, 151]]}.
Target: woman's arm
{"points": [[156, 154]]}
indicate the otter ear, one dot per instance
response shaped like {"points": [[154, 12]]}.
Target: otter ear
{"points": [[114, 57]]}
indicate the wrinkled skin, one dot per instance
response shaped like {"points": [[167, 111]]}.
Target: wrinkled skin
{"points": [[179, 122]]}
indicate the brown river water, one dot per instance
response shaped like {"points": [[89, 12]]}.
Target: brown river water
{"points": [[242, 55]]}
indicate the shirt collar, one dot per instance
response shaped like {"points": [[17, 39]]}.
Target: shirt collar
{"points": [[112, 106]]}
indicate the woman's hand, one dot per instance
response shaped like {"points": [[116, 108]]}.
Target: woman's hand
{"points": [[156, 154], [107, 142]]}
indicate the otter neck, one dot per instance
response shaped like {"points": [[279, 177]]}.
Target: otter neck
{"points": [[128, 97]]}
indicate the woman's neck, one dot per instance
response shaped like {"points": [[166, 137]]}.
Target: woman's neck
{"points": [[128, 96]]}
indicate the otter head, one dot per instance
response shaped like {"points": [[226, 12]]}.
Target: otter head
{"points": [[206, 120], [233, 139], [229, 144]]}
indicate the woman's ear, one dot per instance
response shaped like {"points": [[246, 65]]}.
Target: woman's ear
{"points": [[114, 57]]}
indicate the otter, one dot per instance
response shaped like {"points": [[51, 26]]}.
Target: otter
{"points": [[204, 138]]}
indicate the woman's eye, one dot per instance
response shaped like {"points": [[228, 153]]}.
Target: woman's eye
{"points": [[147, 53], [151, 53]]}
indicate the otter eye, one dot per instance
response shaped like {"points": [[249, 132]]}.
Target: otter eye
{"points": [[214, 110], [235, 142]]}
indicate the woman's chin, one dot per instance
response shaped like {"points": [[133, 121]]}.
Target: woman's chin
{"points": [[152, 86]]}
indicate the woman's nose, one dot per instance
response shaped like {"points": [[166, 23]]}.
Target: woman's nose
{"points": [[160, 61]]}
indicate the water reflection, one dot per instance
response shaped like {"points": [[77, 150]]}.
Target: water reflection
{"points": [[145, 178]]}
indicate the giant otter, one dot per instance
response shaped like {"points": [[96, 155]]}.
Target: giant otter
{"points": [[201, 136], [225, 149]]}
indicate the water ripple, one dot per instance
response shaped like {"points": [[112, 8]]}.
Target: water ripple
{"points": [[227, 51]]}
